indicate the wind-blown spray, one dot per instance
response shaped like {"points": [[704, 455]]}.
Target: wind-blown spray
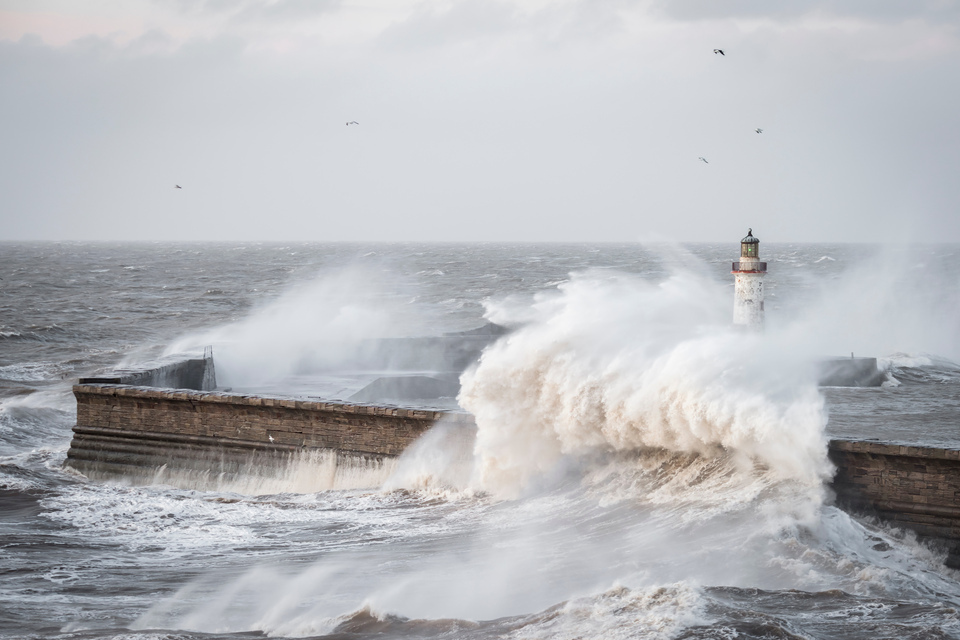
{"points": [[328, 323], [610, 362]]}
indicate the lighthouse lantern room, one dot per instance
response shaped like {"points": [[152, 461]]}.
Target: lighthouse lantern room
{"points": [[748, 278]]}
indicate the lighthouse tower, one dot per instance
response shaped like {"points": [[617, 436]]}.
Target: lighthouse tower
{"points": [[748, 293]]}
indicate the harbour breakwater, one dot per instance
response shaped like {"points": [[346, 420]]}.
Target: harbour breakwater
{"points": [[185, 433], [215, 438]]}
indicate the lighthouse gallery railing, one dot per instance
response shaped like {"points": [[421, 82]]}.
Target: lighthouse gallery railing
{"points": [[749, 266]]}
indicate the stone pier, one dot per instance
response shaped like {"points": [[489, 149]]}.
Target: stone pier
{"points": [[134, 432]]}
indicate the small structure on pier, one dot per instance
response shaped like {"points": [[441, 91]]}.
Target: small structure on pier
{"points": [[748, 277]]}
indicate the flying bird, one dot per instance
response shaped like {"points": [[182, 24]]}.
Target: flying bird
{"points": [[271, 438], [720, 51], [759, 130], [176, 186], [704, 160], [352, 122]]}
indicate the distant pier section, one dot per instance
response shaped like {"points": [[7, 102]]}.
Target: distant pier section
{"points": [[850, 372], [173, 372]]}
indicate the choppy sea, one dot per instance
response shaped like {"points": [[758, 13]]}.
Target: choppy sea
{"points": [[641, 469]]}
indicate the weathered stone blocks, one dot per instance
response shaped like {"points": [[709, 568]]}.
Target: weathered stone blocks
{"points": [[912, 487], [362, 429]]}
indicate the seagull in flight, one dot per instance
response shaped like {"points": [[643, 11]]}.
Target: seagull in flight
{"points": [[759, 130], [270, 437], [176, 186], [720, 51], [352, 122], [704, 160]]}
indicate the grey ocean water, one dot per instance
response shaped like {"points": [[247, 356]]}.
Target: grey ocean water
{"points": [[591, 530]]}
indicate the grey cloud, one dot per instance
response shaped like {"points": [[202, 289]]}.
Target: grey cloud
{"points": [[256, 10], [583, 20], [467, 21], [878, 10], [459, 22]]}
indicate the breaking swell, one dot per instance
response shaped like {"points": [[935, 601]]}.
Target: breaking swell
{"points": [[616, 363]]}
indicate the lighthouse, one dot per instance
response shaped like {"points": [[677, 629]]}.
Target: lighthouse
{"points": [[748, 277]]}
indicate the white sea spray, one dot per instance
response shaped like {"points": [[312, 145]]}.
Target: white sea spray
{"points": [[617, 363]]}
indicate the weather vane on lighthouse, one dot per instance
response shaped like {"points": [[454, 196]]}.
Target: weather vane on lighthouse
{"points": [[748, 277]]}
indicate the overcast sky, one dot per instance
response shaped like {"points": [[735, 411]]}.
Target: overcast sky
{"points": [[479, 120]]}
